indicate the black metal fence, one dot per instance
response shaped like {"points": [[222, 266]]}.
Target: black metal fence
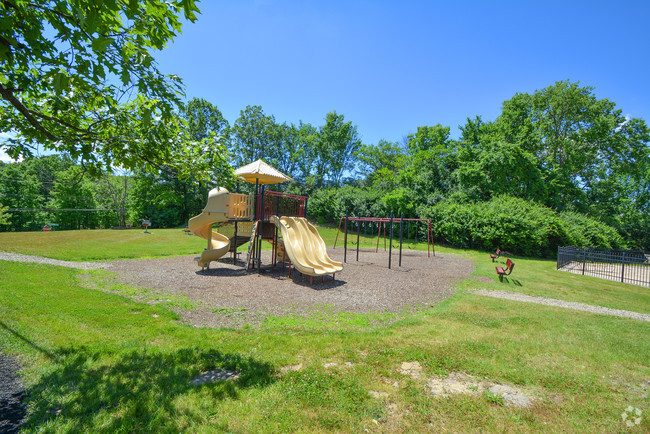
{"points": [[627, 266]]}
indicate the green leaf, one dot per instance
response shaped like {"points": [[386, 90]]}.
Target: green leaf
{"points": [[100, 44]]}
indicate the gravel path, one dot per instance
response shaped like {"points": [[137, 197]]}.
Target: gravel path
{"points": [[12, 410], [6, 256], [565, 304]]}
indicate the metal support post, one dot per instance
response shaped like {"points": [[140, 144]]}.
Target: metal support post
{"points": [[234, 250], [390, 245], [401, 237], [345, 239], [358, 234]]}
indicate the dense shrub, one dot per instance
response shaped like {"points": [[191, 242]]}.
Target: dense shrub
{"points": [[588, 232], [516, 225], [329, 205]]}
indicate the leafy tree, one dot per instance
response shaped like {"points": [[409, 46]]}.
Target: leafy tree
{"points": [[80, 77], [381, 161], [336, 147], [4, 216], [476, 131], [207, 135], [291, 149], [165, 199], [429, 177], [435, 138], [500, 168], [47, 169], [205, 121], [72, 192], [578, 139], [256, 136], [401, 201], [305, 157], [19, 189], [112, 192]]}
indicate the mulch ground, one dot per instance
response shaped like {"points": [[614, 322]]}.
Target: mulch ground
{"points": [[229, 296]]}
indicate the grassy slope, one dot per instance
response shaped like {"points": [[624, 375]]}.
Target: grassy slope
{"points": [[101, 362], [106, 363]]}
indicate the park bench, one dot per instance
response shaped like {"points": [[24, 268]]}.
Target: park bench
{"points": [[494, 256], [505, 271]]}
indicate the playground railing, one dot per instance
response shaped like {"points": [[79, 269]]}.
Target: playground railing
{"points": [[283, 204], [241, 206]]}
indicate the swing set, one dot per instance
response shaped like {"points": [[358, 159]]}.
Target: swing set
{"points": [[382, 222]]}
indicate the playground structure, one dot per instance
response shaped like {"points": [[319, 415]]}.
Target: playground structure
{"points": [[258, 217], [383, 221]]}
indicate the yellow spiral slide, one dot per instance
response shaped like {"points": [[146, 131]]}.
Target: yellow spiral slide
{"points": [[216, 210]]}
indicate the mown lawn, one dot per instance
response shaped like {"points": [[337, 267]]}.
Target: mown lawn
{"points": [[95, 361], [531, 276], [102, 244]]}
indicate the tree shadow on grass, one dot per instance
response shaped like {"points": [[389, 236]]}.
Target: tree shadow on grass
{"points": [[139, 390]]}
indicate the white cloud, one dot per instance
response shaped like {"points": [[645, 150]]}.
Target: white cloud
{"points": [[3, 155], [6, 158], [622, 124]]}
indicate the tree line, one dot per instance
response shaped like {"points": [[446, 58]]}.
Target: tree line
{"points": [[81, 81], [56, 189], [560, 150]]}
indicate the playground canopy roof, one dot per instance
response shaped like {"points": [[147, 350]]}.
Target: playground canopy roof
{"points": [[262, 172]]}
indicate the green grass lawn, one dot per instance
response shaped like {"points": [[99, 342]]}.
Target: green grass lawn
{"points": [[102, 362], [102, 244]]}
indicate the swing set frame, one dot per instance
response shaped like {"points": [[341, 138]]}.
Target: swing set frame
{"points": [[383, 222]]}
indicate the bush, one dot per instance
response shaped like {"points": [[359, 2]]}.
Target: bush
{"points": [[588, 232], [329, 205], [518, 226]]}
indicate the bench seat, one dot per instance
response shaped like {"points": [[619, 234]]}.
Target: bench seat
{"points": [[501, 271]]}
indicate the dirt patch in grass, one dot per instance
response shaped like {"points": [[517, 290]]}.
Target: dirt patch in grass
{"points": [[12, 393], [229, 296]]}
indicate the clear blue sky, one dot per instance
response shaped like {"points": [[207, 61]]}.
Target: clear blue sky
{"points": [[390, 67]]}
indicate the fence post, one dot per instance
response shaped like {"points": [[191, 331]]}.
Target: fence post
{"points": [[584, 259], [623, 268]]}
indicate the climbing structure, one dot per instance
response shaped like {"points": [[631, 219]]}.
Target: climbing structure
{"points": [[271, 216]]}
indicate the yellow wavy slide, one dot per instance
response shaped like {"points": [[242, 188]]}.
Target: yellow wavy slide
{"points": [[305, 247], [201, 225]]}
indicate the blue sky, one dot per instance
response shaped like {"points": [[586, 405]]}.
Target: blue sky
{"points": [[390, 67]]}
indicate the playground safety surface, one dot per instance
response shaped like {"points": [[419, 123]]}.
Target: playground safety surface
{"points": [[226, 295]]}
